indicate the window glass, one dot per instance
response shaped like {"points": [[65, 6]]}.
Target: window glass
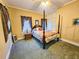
{"points": [[51, 25]]}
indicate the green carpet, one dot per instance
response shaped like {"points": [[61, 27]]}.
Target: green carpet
{"points": [[30, 49]]}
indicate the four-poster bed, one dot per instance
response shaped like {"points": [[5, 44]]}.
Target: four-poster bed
{"points": [[44, 36]]}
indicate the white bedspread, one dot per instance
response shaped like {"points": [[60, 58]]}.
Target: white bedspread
{"points": [[48, 35]]}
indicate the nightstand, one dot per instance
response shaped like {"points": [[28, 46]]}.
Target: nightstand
{"points": [[28, 36]]}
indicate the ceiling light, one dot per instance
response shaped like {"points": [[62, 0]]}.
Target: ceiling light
{"points": [[44, 3]]}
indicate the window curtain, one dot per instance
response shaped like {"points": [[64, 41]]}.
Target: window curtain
{"points": [[44, 23], [26, 26]]}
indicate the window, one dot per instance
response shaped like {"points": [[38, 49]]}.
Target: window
{"points": [[44, 23], [26, 24], [26, 27], [51, 25]]}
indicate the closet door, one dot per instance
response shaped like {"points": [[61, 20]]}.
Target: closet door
{"points": [[26, 24]]}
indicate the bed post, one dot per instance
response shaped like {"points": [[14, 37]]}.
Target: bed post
{"points": [[58, 28], [44, 42], [59, 24]]}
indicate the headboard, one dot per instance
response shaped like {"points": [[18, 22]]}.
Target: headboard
{"points": [[36, 26]]}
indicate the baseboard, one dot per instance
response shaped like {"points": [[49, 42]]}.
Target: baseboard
{"points": [[71, 42]]}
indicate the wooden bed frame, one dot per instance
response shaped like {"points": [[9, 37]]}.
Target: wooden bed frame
{"points": [[44, 42]]}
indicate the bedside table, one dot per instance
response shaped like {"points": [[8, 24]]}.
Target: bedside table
{"points": [[28, 36]]}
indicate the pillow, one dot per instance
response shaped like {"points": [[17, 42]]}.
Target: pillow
{"points": [[37, 28], [34, 29], [40, 29]]}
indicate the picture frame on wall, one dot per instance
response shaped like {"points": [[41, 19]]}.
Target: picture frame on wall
{"points": [[36, 22], [76, 21]]}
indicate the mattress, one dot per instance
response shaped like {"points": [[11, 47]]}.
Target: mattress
{"points": [[48, 35]]}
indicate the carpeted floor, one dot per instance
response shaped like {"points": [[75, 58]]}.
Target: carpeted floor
{"points": [[30, 49]]}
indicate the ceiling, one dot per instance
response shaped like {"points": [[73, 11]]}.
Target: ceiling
{"points": [[38, 5]]}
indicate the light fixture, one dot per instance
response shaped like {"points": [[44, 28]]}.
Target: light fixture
{"points": [[45, 3]]}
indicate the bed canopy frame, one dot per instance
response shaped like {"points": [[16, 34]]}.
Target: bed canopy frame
{"points": [[44, 42]]}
